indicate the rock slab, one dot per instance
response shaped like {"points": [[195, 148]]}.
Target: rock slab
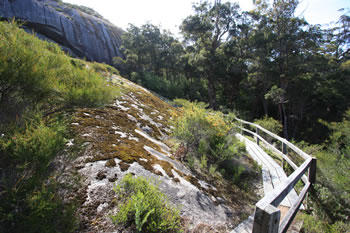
{"points": [[78, 33]]}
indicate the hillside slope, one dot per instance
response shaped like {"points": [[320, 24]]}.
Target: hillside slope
{"points": [[70, 130], [129, 136]]}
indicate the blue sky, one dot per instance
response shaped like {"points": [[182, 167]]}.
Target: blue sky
{"points": [[170, 13]]}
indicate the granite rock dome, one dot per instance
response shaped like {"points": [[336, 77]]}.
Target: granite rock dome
{"points": [[81, 34]]}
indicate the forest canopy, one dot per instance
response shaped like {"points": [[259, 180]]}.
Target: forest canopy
{"points": [[265, 62]]}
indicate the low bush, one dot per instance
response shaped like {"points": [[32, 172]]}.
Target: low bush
{"points": [[205, 133], [35, 73], [29, 201], [208, 138], [330, 206], [159, 85], [270, 124], [144, 206], [37, 79]]}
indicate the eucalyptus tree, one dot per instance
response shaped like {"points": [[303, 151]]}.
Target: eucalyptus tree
{"points": [[206, 31]]}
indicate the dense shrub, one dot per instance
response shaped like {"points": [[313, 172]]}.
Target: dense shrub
{"points": [[270, 124], [205, 132], [29, 201], [36, 80], [330, 207], [37, 73], [164, 87], [143, 205], [208, 139]]}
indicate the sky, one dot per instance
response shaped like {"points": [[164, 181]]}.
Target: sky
{"points": [[169, 13]]}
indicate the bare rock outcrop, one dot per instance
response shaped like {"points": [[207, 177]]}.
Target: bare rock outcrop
{"points": [[81, 34]]}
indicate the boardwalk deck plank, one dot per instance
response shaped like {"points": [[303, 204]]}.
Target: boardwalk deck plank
{"points": [[272, 175]]}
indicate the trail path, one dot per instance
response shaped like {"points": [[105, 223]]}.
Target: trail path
{"points": [[273, 175]]}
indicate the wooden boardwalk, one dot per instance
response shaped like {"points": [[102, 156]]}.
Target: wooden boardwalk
{"points": [[272, 174]]}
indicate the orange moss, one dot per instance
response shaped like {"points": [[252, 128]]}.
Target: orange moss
{"points": [[101, 126]]}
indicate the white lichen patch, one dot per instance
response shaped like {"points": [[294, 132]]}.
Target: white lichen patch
{"points": [[167, 130], [164, 147], [70, 143], [205, 185], [133, 138], [86, 114], [159, 168], [75, 124], [135, 100], [132, 118], [122, 134], [101, 207], [162, 156], [98, 180], [136, 107], [184, 183], [119, 105], [150, 120]]}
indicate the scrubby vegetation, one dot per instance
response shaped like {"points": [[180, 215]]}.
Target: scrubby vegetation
{"points": [[38, 84], [207, 140], [268, 63], [264, 64], [29, 198], [330, 205], [37, 74], [144, 206], [270, 124]]}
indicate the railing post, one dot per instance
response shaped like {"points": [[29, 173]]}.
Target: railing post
{"points": [[312, 171], [266, 220], [257, 138]]}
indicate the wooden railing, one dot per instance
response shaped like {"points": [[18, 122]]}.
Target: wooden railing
{"points": [[267, 215]]}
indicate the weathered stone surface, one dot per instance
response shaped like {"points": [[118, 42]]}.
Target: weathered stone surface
{"points": [[80, 34], [116, 145]]}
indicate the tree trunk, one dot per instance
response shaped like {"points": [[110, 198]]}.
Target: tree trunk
{"points": [[266, 112], [212, 94], [285, 121]]}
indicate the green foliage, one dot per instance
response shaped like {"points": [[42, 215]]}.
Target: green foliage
{"points": [[156, 60], [101, 67], [145, 206], [205, 132], [204, 162], [36, 80], [36, 144], [313, 224], [29, 201], [270, 124], [34, 73], [331, 196], [160, 85], [208, 138]]}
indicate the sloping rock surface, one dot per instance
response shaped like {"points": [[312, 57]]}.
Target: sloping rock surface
{"points": [[129, 136], [80, 34]]}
